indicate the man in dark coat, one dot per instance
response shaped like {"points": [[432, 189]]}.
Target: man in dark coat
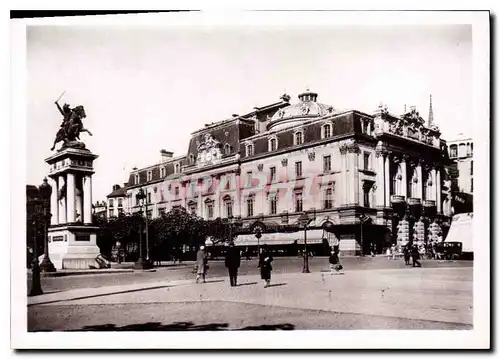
{"points": [[232, 262], [415, 256], [406, 254]]}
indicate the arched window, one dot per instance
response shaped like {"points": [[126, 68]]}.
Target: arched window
{"points": [[414, 185], [191, 158], [326, 131], [273, 144], [227, 149], [397, 179], [163, 172], [177, 168], [298, 138], [228, 206], [429, 188]]}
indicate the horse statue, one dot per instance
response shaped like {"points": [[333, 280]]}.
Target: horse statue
{"points": [[72, 125]]}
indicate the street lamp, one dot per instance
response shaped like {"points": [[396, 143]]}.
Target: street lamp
{"points": [[36, 284], [361, 217], [45, 192], [141, 263], [304, 221]]}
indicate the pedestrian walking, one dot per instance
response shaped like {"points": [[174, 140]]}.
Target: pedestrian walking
{"points": [[388, 252], [406, 254], [335, 266], [232, 262], [394, 251], [202, 265], [415, 256], [265, 260]]}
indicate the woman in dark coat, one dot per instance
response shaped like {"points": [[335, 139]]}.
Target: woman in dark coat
{"points": [[406, 254], [415, 255], [265, 266]]}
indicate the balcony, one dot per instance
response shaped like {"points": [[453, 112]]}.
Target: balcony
{"points": [[429, 203], [414, 201], [395, 198]]}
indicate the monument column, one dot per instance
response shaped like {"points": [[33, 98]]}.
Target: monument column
{"points": [[62, 201], [387, 180], [54, 207], [87, 198], [70, 197]]}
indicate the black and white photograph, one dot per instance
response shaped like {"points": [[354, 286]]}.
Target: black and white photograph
{"points": [[265, 180]]}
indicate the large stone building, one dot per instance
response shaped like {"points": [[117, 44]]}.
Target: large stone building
{"points": [[376, 177]]}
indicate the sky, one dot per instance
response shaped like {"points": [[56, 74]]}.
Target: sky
{"points": [[148, 88]]}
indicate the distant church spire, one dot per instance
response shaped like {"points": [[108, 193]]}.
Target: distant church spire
{"points": [[430, 121]]}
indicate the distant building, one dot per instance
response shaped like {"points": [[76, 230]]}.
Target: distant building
{"points": [[117, 201], [100, 209], [367, 174], [461, 172]]}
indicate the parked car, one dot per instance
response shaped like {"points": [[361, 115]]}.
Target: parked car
{"points": [[449, 250]]}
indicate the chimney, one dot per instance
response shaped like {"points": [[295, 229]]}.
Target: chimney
{"points": [[166, 155]]}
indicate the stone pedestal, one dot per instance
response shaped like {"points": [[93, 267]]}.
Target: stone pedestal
{"points": [[72, 236]]}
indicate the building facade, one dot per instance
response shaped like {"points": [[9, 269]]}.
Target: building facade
{"points": [[372, 179]]}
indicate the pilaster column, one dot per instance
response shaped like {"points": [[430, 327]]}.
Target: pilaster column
{"points": [[404, 180], [217, 202], [344, 180], [433, 194], [54, 207], [70, 194], [387, 180], [354, 174], [237, 197], [379, 192], [62, 201], [419, 180], [438, 190], [87, 199]]}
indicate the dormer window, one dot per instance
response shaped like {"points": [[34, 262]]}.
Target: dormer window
{"points": [[137, 179], [150, 175], [177, 168], [227, 149], [249, 149], [191, 158], [273, 144], [326, 131], [298, 138], [163, 172]]}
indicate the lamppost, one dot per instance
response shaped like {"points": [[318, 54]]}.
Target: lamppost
{"points": [[36, 284], [258, 235], [141, 263], [45, 191], [361, 218], [304, 221]]}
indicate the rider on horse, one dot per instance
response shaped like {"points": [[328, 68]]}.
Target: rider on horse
{"points": [[72, 124]]}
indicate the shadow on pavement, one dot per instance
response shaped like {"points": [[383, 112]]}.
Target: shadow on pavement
{"points": [[243, 284], [215, 281], [178, 326], [277, 284]]}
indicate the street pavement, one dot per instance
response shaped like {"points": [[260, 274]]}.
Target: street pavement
{"points": [[375, 294]]}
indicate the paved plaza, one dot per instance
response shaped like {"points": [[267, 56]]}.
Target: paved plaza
{"points": [[433, 297]]}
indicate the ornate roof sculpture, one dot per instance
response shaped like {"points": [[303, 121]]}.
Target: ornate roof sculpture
{"points": [[209, 151], [305, 109]]}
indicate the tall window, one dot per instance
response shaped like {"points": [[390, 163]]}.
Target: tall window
{"points": [[453, 151], [111, 214], [471, 168], [366, 195], [249, 179], [163, 172], [111, 203], [137, 179], [192, 189], [210, 209], [472, 184], [149, 197], [249, 150], [299, 138], [250, 206], [366, 161], [191, 158], [120, 202], [150, 175], [327, 164], [274, 204], [328, 200], [272, 173], [227, 149], [298, 169], [177, 168], [327, 130], [273, 144], [298, 202], [228, 204]]}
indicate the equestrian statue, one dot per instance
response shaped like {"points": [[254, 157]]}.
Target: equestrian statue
{"points": [[71, 127]]}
